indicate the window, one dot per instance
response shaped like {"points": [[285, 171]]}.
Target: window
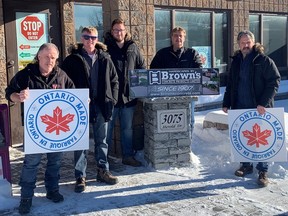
{"points": [[197, 26], [254, 24], [88, 15], [162, 28], [221, 41], [274, 34]]}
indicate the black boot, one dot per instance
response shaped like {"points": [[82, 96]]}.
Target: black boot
{"points": [[55, 196], [25, 206], [80, 185]]}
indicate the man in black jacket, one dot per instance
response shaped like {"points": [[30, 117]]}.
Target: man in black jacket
{"points": [[176, 55], [126, 56], [41, 74], [90, 66], [253, 82]]}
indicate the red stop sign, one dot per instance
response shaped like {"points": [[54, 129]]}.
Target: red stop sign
{"points": [[32, 28]]}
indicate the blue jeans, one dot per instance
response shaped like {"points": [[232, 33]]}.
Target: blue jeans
{"points": [[80, 163], [29, 173], [261, 166], [125, 115], [100, 147], [100, 128]]}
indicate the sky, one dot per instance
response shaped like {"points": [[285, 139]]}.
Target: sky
{"points": [[207, 186]]}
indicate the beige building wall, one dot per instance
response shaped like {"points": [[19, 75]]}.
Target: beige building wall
{"points": [[140, 21]]}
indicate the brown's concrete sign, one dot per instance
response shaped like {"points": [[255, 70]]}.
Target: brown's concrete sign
{"points": [[174, 82]]}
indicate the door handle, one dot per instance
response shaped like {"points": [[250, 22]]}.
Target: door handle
{"points": [[10, 64], [10, 69]]}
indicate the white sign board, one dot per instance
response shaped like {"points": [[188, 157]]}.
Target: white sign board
{"points": [[171, 120], [255, 137], [31, 32], [56, 120]]}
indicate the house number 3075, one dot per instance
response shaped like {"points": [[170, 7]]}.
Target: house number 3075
{"points": [[172, 118]]}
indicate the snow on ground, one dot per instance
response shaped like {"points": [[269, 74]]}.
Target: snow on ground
{"points": [[207, 186]]}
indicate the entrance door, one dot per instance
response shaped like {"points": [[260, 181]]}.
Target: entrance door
{"points": [[27, 24]]}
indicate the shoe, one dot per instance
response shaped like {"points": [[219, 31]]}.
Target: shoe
{"points": [[244, 170], [54, 196], [131, 161], [80, 185], [25, 206], [107, 177], [262, 179]]}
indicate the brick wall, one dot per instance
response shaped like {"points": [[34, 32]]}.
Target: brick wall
{"points": [[68, 30], [140, 22], [140, 16]]}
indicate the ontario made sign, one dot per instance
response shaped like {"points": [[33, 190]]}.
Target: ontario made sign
{"points": [[173, 82], [56, 120], [255, 137]]}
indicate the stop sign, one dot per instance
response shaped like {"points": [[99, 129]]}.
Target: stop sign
{"points": [[32, 28]]}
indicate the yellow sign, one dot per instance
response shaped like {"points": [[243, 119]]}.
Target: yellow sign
{"points": [[23, 64]]}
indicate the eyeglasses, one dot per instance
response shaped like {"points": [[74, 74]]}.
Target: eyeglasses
{"points": [[118, 30], [87, 37]]}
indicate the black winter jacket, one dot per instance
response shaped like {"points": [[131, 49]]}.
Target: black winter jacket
{"points": [[107, 86], [127, 58], [30, 77], [264, 79], [166, 58]]}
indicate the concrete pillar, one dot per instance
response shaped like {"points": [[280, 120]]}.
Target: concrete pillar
{"points": [[168, 133]]}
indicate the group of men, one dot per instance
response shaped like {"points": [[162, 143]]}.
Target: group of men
{"points": [[103, 68]]}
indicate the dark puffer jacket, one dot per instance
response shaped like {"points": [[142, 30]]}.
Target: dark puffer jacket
{"points": [[127, 58], [107, 86], [30, 77], [166, 58], [264, 79]]}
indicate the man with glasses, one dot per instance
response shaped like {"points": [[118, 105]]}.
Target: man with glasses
{"points": [[126, 56], [90, 66], [253, 82]]}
